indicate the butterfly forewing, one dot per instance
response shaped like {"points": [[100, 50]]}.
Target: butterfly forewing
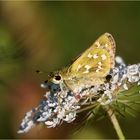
{"points": [[97, 60]]}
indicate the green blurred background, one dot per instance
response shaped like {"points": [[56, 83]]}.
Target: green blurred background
{"points": [[47, 36]]}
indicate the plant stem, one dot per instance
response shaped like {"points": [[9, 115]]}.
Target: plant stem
{"points": [[86, 108], [116, 124]]}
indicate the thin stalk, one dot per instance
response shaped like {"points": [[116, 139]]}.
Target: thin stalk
{"points": [[115, 124], [86, 108]]}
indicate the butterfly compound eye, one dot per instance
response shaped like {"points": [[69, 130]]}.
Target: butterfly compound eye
{"points": [[58, 77]]}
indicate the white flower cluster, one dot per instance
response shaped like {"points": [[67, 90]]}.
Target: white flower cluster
{"points": [[121, 79], [61, 104]]}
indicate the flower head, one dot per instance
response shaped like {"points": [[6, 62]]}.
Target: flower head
{"points": [[62, 104]]}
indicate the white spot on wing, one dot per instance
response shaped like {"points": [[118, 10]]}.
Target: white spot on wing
{"points": [[97, 70], [87, 67], [89, 55], [86, 71], [95, 56], [100, 63], [99, 67], [103, 57], [79, 66], [106, 45], [97, 44]]}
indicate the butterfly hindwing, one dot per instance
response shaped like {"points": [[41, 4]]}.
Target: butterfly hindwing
{"points": [[97, 60]]}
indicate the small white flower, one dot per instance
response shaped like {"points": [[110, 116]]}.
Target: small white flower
{"points": [[132, 69], [133, 79], [52, 104], [29, 125], [119, 60], [61, 113], [70, 117], [49, 123]]}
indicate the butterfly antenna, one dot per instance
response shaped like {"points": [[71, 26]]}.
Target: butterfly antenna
{"points": [[39, 72]]}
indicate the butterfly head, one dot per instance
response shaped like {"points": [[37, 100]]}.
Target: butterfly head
{"points": [[55, 77]]}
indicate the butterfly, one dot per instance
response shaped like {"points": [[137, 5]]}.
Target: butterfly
{"points": [[91, 67]]}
